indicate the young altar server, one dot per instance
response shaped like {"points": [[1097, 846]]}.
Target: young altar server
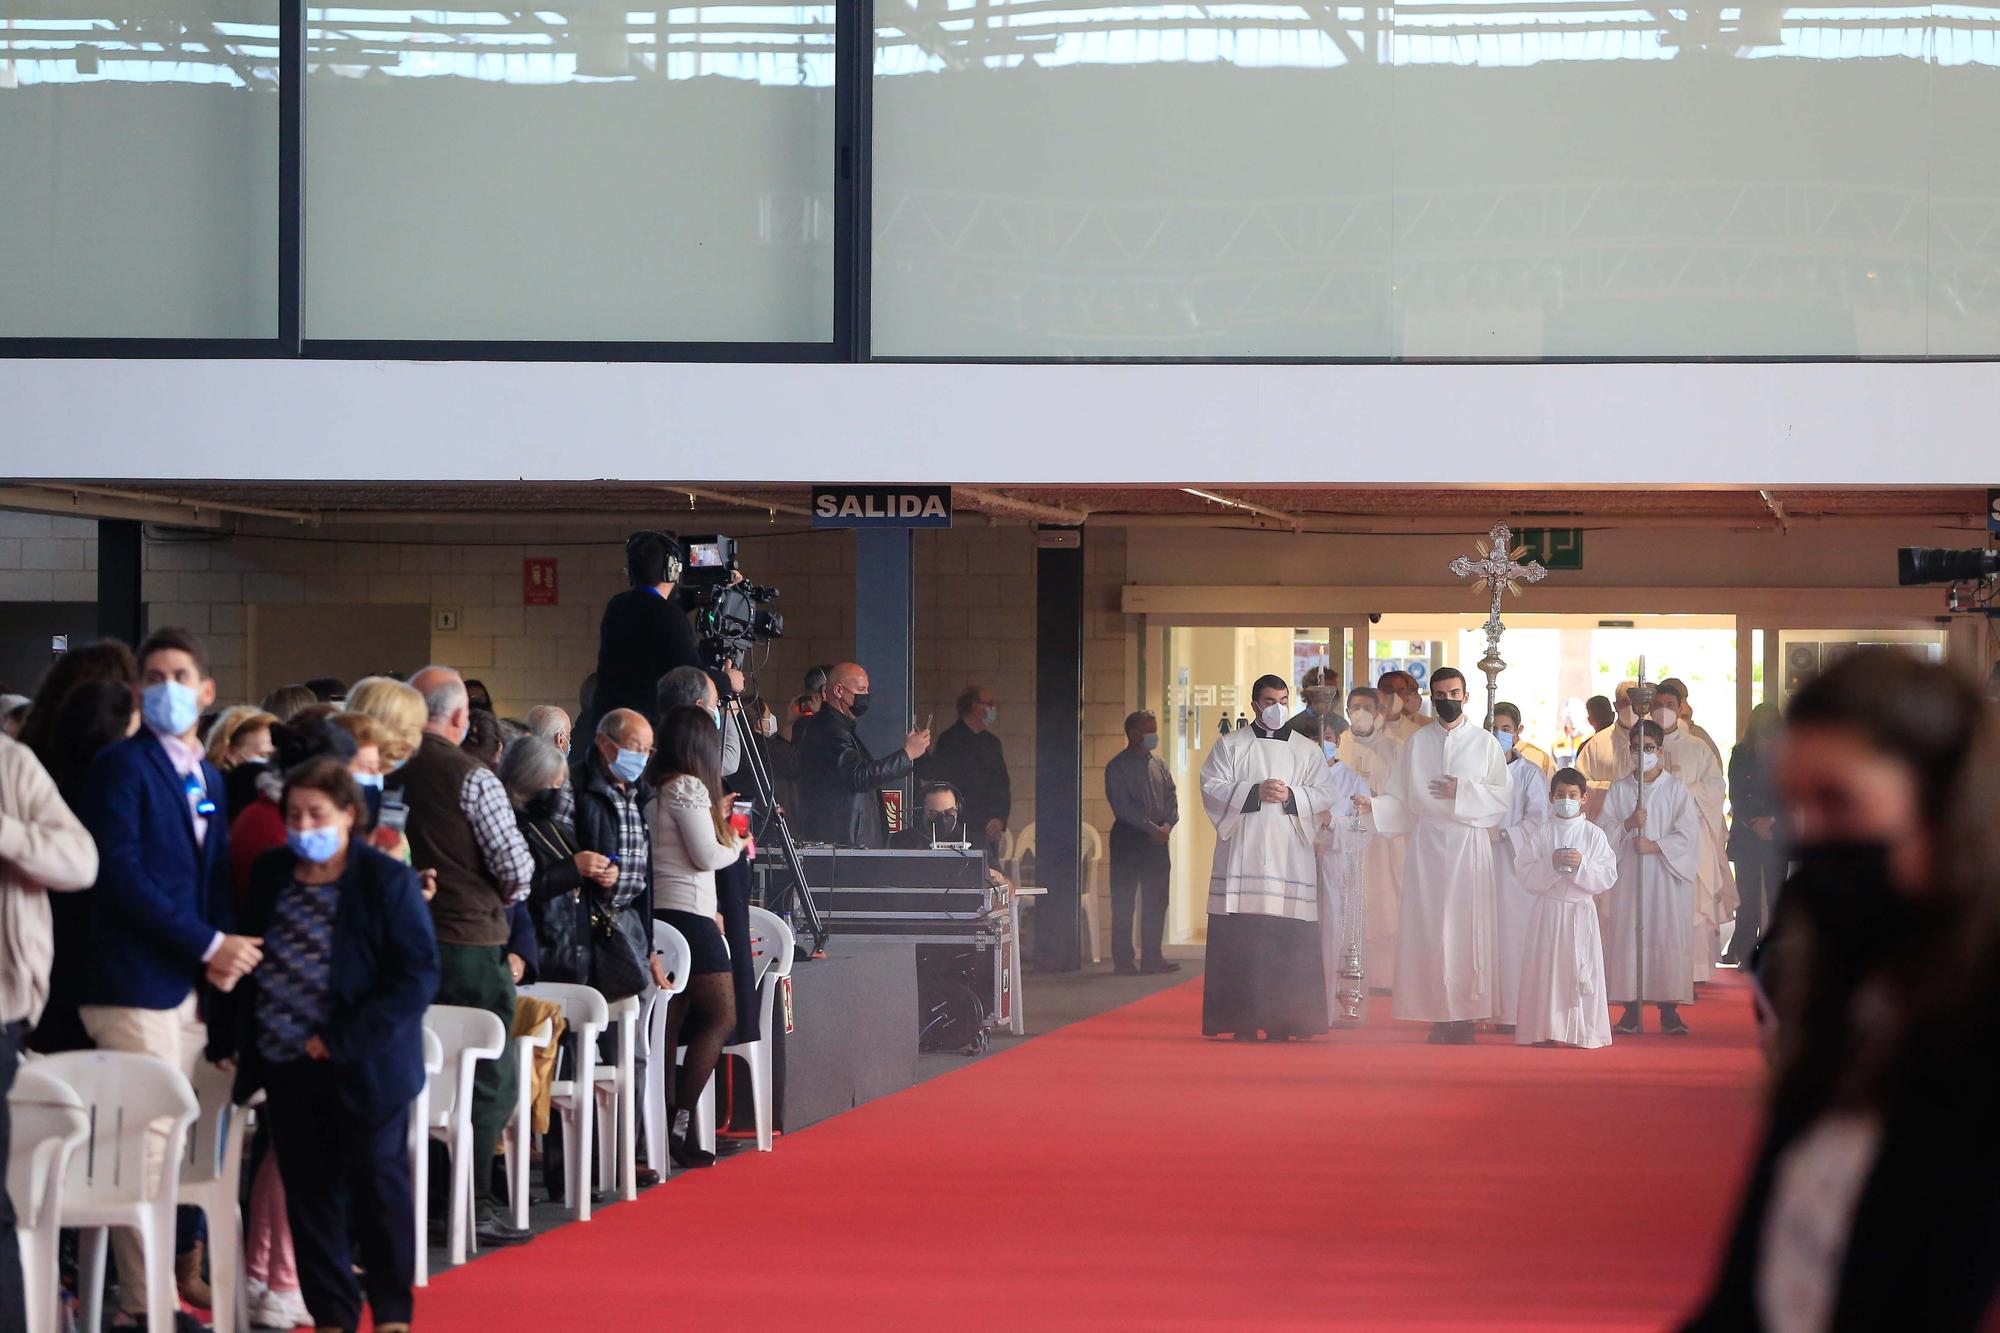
{"points": [[1656, 832], [1563, 864], [1268, 791], [1342, 847], [1369, 751], [1526, 810]]}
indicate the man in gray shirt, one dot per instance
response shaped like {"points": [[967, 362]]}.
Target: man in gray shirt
{"points": [[1141, 792]]}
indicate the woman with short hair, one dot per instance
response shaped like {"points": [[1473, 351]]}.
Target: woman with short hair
{"points": [[398, 710]]}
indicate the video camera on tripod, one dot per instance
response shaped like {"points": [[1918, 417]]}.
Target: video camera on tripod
{"points": [[730, 614]]}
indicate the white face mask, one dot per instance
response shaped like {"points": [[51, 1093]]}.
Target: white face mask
{"points": [[1566, 808], [768, 724], [1363, 724], [1648, 760], [1667, 718], [1272, 717]]}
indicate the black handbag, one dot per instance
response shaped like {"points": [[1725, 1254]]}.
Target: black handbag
{"points": [[616, 970], [562, 923]]}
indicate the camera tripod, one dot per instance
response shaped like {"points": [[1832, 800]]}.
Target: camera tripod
{"points": [[788, 851]]}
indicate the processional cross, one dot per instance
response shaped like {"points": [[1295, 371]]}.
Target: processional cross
{"points": [[1498, 568]]}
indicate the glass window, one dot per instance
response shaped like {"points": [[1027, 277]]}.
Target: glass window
{"points": [[139, 169], [588, 173]]}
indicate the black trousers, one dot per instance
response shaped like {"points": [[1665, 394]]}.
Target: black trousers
{"points": [[13, 1292], [1758, 879], [347, 1185], [1139, 876]]}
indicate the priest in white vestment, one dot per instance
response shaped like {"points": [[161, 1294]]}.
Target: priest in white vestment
{"points": [[1564, 865], [1402, 705], [1659, 856], [1694, 762], [1268, 792], [1369, 751], [1527, 807], [1449, 788], [1607, 756]]}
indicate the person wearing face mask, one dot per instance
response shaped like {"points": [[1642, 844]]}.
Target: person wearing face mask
{"points": [[462, 826], [1606, 756], [1653, 825], [1675, 686], [1402, 705], [970, 757], [838, 778], [1873, 1200], [1144, 809], [1341, 840], [1563, 864], [1450, 786], [1527, 810], [940, 820], [612, 804], [1267, 793], [1695, 764], [330, 1027], [162, 912], [1368, 750], [567, 875]]}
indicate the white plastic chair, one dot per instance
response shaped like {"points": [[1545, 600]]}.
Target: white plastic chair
{"points": [[618, 1104], [1093, 856], [466, 1036], [514, 1144], [49, 1125], [420, 1154], [124, 1095], [676, 960], [211, 1172], [771, 949], [586, 1015]]}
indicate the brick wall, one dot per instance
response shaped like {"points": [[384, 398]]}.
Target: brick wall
{"points": [[44, 558]]}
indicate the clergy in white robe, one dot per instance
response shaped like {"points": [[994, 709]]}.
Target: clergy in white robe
{"points": [[1562, 991], [1695, 763], [1342, 849], [1449, 788], [1267, 792], [1527, 807], [1368, 750], [1654, 898], [1607, 756]]}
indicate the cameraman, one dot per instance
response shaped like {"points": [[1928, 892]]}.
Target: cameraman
{"points": [[645, 632]]}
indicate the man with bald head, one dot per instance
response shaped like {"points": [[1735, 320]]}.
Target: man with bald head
{"points": [[462, 826], [838, 778], [550, 724]]}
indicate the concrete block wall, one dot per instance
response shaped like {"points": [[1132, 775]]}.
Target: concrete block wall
{"points": [[47, 558]]}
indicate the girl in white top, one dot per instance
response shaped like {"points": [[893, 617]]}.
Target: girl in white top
{"points": [[691, 840], [1562, 864]]}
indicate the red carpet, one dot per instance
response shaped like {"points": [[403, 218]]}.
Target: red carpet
{"points": [[1125, 1173]]}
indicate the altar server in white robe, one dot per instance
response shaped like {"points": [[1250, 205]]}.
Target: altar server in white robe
{"points": [[1342, 848], [1564, 865], [1659, 856], [1449, 788], [1369, 751], [1694, 762], [1268, 792], [1527, 808]]}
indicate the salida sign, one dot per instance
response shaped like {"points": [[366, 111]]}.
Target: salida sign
{"points": [[881, 506]]}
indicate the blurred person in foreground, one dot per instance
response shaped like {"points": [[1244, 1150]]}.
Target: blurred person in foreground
{"points": [[1874, 1199]]}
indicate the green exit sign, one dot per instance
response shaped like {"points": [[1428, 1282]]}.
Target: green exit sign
{"points": [[1556, 548]]}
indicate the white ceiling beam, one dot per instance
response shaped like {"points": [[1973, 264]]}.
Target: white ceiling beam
{"points": [[76, 504]]}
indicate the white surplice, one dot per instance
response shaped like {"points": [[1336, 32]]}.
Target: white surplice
{"points": [[1339, 844], [1667, 888], [1562, 996], [1265, 859], [1374, 760], [1526, 810], [1693, 760], [1445, 947], [1603, 759]]}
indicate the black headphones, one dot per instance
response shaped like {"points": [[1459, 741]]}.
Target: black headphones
{"points": [[674, 565]]}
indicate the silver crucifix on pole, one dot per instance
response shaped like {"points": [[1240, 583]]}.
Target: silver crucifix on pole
{"points": [[1499, 569]]}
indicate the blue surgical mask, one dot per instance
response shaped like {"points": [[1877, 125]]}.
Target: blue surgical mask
{"points": [[1506, 739], [373, 780], [1329, 748], [317, 845], [1566, 808], [628, 765], [1150, 741], [170, 708]]}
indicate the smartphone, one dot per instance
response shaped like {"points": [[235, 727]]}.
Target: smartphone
{"points": [[395, 816]]}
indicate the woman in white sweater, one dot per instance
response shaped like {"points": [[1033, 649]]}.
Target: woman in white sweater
{"points": [[691, 841]]}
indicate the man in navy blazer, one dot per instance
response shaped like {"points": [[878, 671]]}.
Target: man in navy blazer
{"points": [[161, 909]]}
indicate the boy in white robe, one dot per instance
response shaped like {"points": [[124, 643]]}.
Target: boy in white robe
{"points": [[1659, 856], [1526, 810], [1449, 787], [1369, 751], [1564, 864], [1268, 791], [1342, 847]]}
